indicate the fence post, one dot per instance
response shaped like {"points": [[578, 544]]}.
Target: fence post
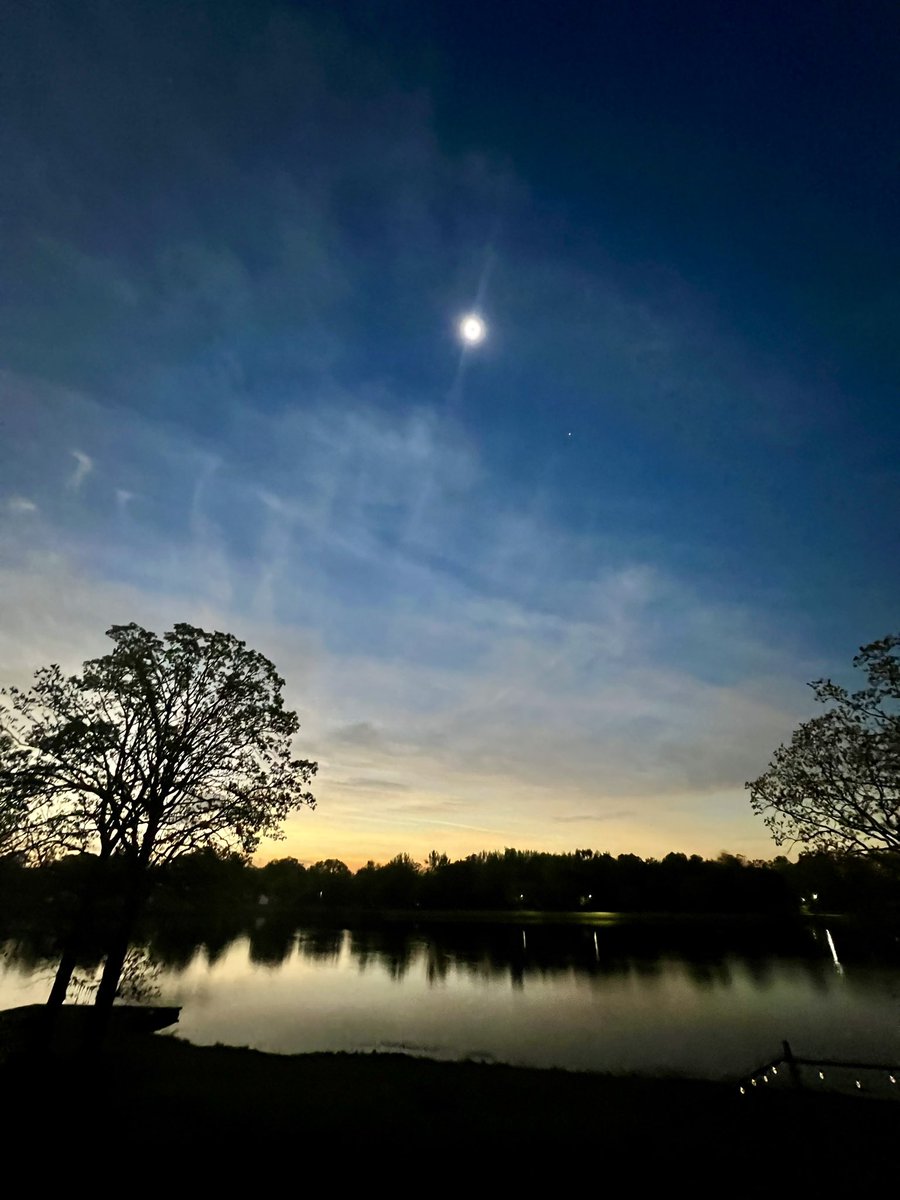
{"points": [[792, 1067]]}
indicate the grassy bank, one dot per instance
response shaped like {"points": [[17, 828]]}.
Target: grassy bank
{"points": [[158, 1091]]}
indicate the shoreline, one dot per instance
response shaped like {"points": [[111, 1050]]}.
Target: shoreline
{"points": [[537, 916], [184, 1095]]}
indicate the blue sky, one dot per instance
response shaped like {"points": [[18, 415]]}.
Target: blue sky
{"points": [[564, 588]]}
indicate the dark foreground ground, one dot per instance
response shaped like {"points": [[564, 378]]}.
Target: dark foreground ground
{"points": [[154, 1103]]}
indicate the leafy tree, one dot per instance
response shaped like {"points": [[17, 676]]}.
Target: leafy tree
{"points": [[162, 747], [330, 881], [436, 861], [333, 867], [14, 803], [836, 787]]}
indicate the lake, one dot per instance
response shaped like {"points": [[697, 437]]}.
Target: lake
{"points": [[698, 998]]}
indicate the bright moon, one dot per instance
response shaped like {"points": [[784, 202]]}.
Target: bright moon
{"points": [[472, 329]]}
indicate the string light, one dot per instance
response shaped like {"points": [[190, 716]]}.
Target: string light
{"points": [[772, 1069], [753, 1081]]}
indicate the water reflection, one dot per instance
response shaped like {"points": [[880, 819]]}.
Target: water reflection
{"points": [[694, 997], [321, 945], [491, 952], [270, 944]]}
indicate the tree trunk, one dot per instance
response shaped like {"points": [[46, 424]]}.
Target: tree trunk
{"points": [[112, 968], [63, 978], [135, 897], [79, 931]]}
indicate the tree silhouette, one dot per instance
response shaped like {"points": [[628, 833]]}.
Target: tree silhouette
{"points": [[164, 746], [836, 787], [14, 802]]}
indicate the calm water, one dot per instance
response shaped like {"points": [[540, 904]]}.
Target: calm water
{"points": [[690, 999]]}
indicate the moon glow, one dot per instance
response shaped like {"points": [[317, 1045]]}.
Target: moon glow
{"points": [[472, 329]]}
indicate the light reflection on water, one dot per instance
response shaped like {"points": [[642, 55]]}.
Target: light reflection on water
{"points": [[616, 997]]}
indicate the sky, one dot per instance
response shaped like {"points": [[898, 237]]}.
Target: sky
{"points": [[561, 589]]}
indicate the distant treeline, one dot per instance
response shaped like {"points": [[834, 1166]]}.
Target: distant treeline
{"points": [[510, 880]]}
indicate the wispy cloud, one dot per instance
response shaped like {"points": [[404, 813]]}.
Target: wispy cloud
{"points": [[594, 818], [84, 464], [476, 660], [383, 787], [21, 504], [361, 733]]}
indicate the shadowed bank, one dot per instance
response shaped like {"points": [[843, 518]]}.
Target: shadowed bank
{"points": [[176, 1097]]}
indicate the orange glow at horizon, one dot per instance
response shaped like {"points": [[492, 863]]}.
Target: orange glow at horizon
{"points": [[331, 831]]}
